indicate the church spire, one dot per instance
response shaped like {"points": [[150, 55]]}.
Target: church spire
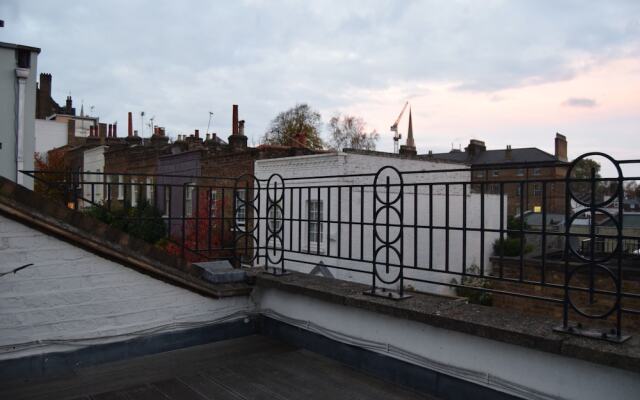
{"points": [[410, 141], [409, 149]]}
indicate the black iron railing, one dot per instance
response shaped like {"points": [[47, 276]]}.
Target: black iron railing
{"points": [[489, 237]]}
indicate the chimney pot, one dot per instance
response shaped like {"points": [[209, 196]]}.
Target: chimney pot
{"points": [[130, 120], [208, 137], [234, 121]]}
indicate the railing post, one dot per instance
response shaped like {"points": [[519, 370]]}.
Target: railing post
{"points": [[590, 261], [274, 244], [386, 203], [248, 230]]}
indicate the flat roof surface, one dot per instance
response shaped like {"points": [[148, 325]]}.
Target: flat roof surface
{"points": [[252, 367]]}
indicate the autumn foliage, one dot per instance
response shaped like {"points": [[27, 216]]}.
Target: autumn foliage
{"points": [[50, 175], [203, 237]]}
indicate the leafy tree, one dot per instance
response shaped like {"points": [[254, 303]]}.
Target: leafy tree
{"points": [[200, 234], [50, 175], [583, 168], [632, 190], [348, 131], [297, 126]]}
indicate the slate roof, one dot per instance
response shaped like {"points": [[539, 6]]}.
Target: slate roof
{"points": [[630, 220], [492, 157]]}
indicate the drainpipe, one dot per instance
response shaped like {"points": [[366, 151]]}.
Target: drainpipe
{"points": [[21, 74]]}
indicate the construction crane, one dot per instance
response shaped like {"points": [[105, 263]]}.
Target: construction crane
{"points": [[394, 129]]}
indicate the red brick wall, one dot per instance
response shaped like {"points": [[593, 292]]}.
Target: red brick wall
{"points": [[554, 274]]}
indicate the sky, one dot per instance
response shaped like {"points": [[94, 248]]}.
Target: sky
{"points": [[506, 72]]}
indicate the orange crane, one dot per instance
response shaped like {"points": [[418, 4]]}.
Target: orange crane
{"points": [[394, 128]]}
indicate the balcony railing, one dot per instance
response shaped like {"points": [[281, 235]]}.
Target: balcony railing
{"points": [[494, 238]]}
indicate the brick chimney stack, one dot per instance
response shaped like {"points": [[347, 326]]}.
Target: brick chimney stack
{"points": [[130, 127], [132, 136], [237, 140], [475, 147], [115, 129], [561, 147], [197, 133], [43, 94], [45, 84], [234, 120], [158, 138], [110, 131]]}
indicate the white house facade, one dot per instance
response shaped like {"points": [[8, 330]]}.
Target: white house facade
{"points": [[93, 168], [18, 70], [330, 207]]}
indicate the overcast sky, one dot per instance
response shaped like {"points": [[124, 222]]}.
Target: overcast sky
{"points": [[507, 72]]}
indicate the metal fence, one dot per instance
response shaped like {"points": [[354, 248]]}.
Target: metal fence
{"points": [[478, 233]]}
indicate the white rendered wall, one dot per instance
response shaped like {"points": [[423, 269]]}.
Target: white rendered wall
{"points": [[50, 135], [524, 372], [93, 161], [17, 116], [71, 294], [341, 164]]}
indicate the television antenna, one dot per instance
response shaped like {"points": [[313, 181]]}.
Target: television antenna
{"points": [[209, 123], [141, 123]]}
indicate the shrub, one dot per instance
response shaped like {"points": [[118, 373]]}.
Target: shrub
{"points": [[510, 247], [474, 280], [142, 221]]}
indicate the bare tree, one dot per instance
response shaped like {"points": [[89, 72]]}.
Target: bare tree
{"points": [[348, 131], [298, 126]]}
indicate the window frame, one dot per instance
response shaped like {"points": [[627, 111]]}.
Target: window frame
{"points": [[313, 214], [188, 199], [240, 207]]}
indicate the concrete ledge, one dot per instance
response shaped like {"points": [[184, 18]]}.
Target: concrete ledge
{"points": [[486, 322], [25, 206]]}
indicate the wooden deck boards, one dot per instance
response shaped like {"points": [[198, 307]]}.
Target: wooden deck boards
{"points": [[253, 367]]}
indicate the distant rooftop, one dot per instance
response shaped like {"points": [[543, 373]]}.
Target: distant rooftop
{"points": [[502, 156], [19, 46], [476, 153]]}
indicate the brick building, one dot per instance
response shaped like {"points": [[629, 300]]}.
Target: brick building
{"points": [[521, 171], [134, 156], [207, 172]]}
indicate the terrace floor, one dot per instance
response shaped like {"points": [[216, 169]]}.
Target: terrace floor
{"points": [[253, 367]]}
